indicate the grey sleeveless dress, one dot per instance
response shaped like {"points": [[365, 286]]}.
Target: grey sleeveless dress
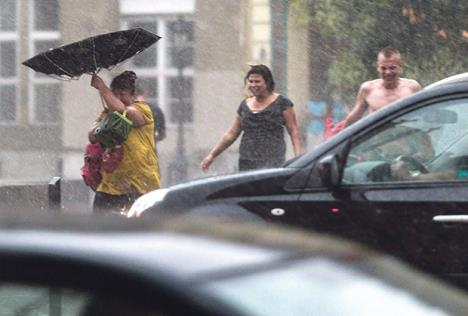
{"points": [[262, 141]]}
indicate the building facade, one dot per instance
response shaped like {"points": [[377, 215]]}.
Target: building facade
{"points": [[44, 121]]}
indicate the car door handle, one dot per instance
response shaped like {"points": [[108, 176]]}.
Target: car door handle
{"points": [[451, 218]]}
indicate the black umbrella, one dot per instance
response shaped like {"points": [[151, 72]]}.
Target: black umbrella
{"points": [[91, 54]]}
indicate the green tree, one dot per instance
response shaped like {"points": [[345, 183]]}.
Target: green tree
{"points": [[432, 36]]}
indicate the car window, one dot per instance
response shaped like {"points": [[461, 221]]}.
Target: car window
{"points": [[427, 144], [36, 300], [19, 299]]}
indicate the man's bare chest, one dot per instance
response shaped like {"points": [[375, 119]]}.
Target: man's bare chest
{"points": [[379, 98]]}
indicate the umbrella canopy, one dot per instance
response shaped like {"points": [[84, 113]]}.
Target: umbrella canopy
{"points": [[91, 54]]}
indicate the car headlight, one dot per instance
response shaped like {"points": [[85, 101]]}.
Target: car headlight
{"points": [[146, 201]]}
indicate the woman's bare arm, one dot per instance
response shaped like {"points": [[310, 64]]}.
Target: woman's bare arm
{"points": [[291, 125], [228, 138]]}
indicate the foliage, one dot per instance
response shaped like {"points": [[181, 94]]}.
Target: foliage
{"points": [[431, 35]]}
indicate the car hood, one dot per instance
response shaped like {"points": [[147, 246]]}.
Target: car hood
{"points": [[259, 182]]}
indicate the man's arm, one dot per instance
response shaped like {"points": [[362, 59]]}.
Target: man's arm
{"points": [[360, 107], [400, 171], [160, 124]]}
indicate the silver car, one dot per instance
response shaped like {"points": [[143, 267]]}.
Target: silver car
{"points": [[82, 266]]}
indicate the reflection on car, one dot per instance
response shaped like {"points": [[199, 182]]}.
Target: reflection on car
{"points": [[351, 184], [423, 140], [113, 266]]}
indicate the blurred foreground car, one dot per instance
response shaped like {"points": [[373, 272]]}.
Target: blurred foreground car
{"points": [[345, 186], [85, 267]]}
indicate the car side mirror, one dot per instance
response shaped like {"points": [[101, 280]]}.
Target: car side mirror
{"points": [[329, 171]]}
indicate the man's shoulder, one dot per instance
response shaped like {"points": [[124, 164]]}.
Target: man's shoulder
{"points": [[410, 83], [407, 79], [371, 84]]}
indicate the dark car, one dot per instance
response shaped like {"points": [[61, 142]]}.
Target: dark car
{"points": [[88, 267], [346, 185]]}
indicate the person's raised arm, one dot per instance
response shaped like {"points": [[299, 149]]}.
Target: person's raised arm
{"points": [[135, 116], [228, 138], [291, 125], [359, 108], [112, 101], [160, 122]]}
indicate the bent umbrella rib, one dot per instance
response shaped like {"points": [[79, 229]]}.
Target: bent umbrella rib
{"points": [[57, 66], [94, 55], [129, 46]]}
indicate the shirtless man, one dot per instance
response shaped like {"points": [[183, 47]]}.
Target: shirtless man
{"points": [[376, 94]]}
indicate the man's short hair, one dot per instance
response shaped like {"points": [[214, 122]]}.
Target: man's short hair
{"points": [[389, 51]]}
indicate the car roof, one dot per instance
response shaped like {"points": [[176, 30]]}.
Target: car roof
{"points": [[459, 78], [214, 245], [166, 245]]}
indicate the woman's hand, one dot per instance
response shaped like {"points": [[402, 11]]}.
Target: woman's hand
{"points": [[205, 164], [97, 82], [112, 102]]}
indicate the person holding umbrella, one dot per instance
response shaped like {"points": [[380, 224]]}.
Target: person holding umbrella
{"points": [[261, 119], [138, 172]]}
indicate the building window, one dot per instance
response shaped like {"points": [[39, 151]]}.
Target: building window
{"points": [[45, 17], [149, 58], [8, 16], [8, 61], [156, 68], [45, 91]]}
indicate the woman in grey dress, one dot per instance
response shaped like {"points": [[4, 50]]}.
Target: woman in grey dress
{"points": [[260, 119]]}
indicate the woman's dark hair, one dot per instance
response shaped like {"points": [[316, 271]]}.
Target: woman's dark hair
{"points": [[263, 71], [124, 81]]}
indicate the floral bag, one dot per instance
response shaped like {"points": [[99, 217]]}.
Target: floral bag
{"points": [[92, 165], [96, 158], [111, 158]]}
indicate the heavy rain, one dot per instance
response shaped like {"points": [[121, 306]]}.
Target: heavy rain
{"points": [[319, 52], [154, 108]]}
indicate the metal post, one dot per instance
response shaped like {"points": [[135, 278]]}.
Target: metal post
{"points": [[180, 35], [54, 194], [181, 158], [279, 43]]}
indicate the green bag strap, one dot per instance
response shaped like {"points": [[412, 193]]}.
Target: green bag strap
{"points": [[124, 117]]}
